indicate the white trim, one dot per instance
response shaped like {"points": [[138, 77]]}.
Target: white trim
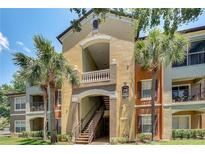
{"points": [[145, 98], [147, 105], [15, 125], [15, 102], [20, 114], [185, 115]]}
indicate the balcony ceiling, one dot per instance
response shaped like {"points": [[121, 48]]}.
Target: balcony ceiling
{"points": [[100, 54]]}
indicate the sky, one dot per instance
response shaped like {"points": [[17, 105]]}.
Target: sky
{"points": [[18, 26]]}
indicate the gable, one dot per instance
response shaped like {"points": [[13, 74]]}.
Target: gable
{"points": [[115, 26]]}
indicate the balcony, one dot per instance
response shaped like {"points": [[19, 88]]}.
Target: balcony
{"points": [[100, 77], [37, 106], [199, 97], [96, 76]]}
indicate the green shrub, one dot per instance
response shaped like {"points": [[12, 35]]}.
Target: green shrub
{"points": [[144, 137], [64, 138], [32, 134], [119, 140], [4, 122], [188, 133]]}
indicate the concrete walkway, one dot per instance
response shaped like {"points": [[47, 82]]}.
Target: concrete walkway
{"points": [[101, 141]]}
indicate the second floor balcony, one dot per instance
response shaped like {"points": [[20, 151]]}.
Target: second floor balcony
{"points": [[37, 106], [36, 103], [98, 68], [96, 76], [189, 91]]}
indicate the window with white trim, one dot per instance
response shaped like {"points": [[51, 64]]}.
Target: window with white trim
{"points": [[146, 124], [20, 125], [181, 122], [146, 89], [20, 103]]}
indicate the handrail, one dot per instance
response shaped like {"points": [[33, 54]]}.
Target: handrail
{"points": [[79, 127], [91, 72], [196, 97], [90, 112], [93, 125], [96, 76]]}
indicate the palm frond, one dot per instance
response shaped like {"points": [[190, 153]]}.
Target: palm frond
{"points": [[21, 59]]}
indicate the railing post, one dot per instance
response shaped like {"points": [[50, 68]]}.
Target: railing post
{"points": [[113, 70]]}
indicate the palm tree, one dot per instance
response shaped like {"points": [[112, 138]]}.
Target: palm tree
{"points": [[159, 49], [48, 70]]}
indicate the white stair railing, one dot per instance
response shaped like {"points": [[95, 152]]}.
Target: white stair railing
{"points": [[96, 76]]}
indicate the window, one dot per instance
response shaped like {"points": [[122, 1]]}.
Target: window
{"points": [[196, 54], [181, 122], [59, 97], [146, 89], [20, 126], [20, 103], [145, 124], [180, 93], [95, 24]]}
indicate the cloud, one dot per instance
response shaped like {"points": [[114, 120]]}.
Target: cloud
{"points": [[23, 46], [4, 43]]}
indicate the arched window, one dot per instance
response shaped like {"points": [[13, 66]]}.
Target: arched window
{"points": [[95, 24]]}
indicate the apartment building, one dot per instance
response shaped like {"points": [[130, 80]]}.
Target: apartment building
{"points": [[114, 92], [27, 110], [113, 97]]}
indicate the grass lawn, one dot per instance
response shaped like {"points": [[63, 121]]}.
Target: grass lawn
{"points": [[180, 142], [4, 140]]}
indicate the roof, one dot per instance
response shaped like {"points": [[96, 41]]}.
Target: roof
{"points": [[194, 29], [70, 27], [15, 93], [115, 12]]}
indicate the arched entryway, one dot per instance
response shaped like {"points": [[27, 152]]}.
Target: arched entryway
{"points": [[88, 104]]}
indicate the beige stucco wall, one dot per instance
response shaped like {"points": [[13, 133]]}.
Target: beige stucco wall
{"points": [[86, 104], [121, 48], [88, 62]]}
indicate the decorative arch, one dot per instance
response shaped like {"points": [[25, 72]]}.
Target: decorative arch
{"points": [[93, 92], [94, 40]]}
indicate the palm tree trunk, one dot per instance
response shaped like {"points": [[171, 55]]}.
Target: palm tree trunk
{"points": [[45, 116], [52, 115], [154, 77]]}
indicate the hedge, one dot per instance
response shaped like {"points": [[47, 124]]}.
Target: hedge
{"points": [[119, 140], [188, 133], [32, 134], [144, 137]]}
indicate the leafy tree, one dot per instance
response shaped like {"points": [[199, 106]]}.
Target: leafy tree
{"points": [[18, 83], [146, 18], [4, 104], [47, 70], [157, 50]]}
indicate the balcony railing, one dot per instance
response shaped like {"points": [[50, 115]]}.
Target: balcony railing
{"points": [[37, 106], [197, 97], [96, 76], [193, 58]]}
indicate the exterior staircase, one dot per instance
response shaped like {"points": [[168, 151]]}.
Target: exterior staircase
{"points": [[88, 134], [106, 102]]}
